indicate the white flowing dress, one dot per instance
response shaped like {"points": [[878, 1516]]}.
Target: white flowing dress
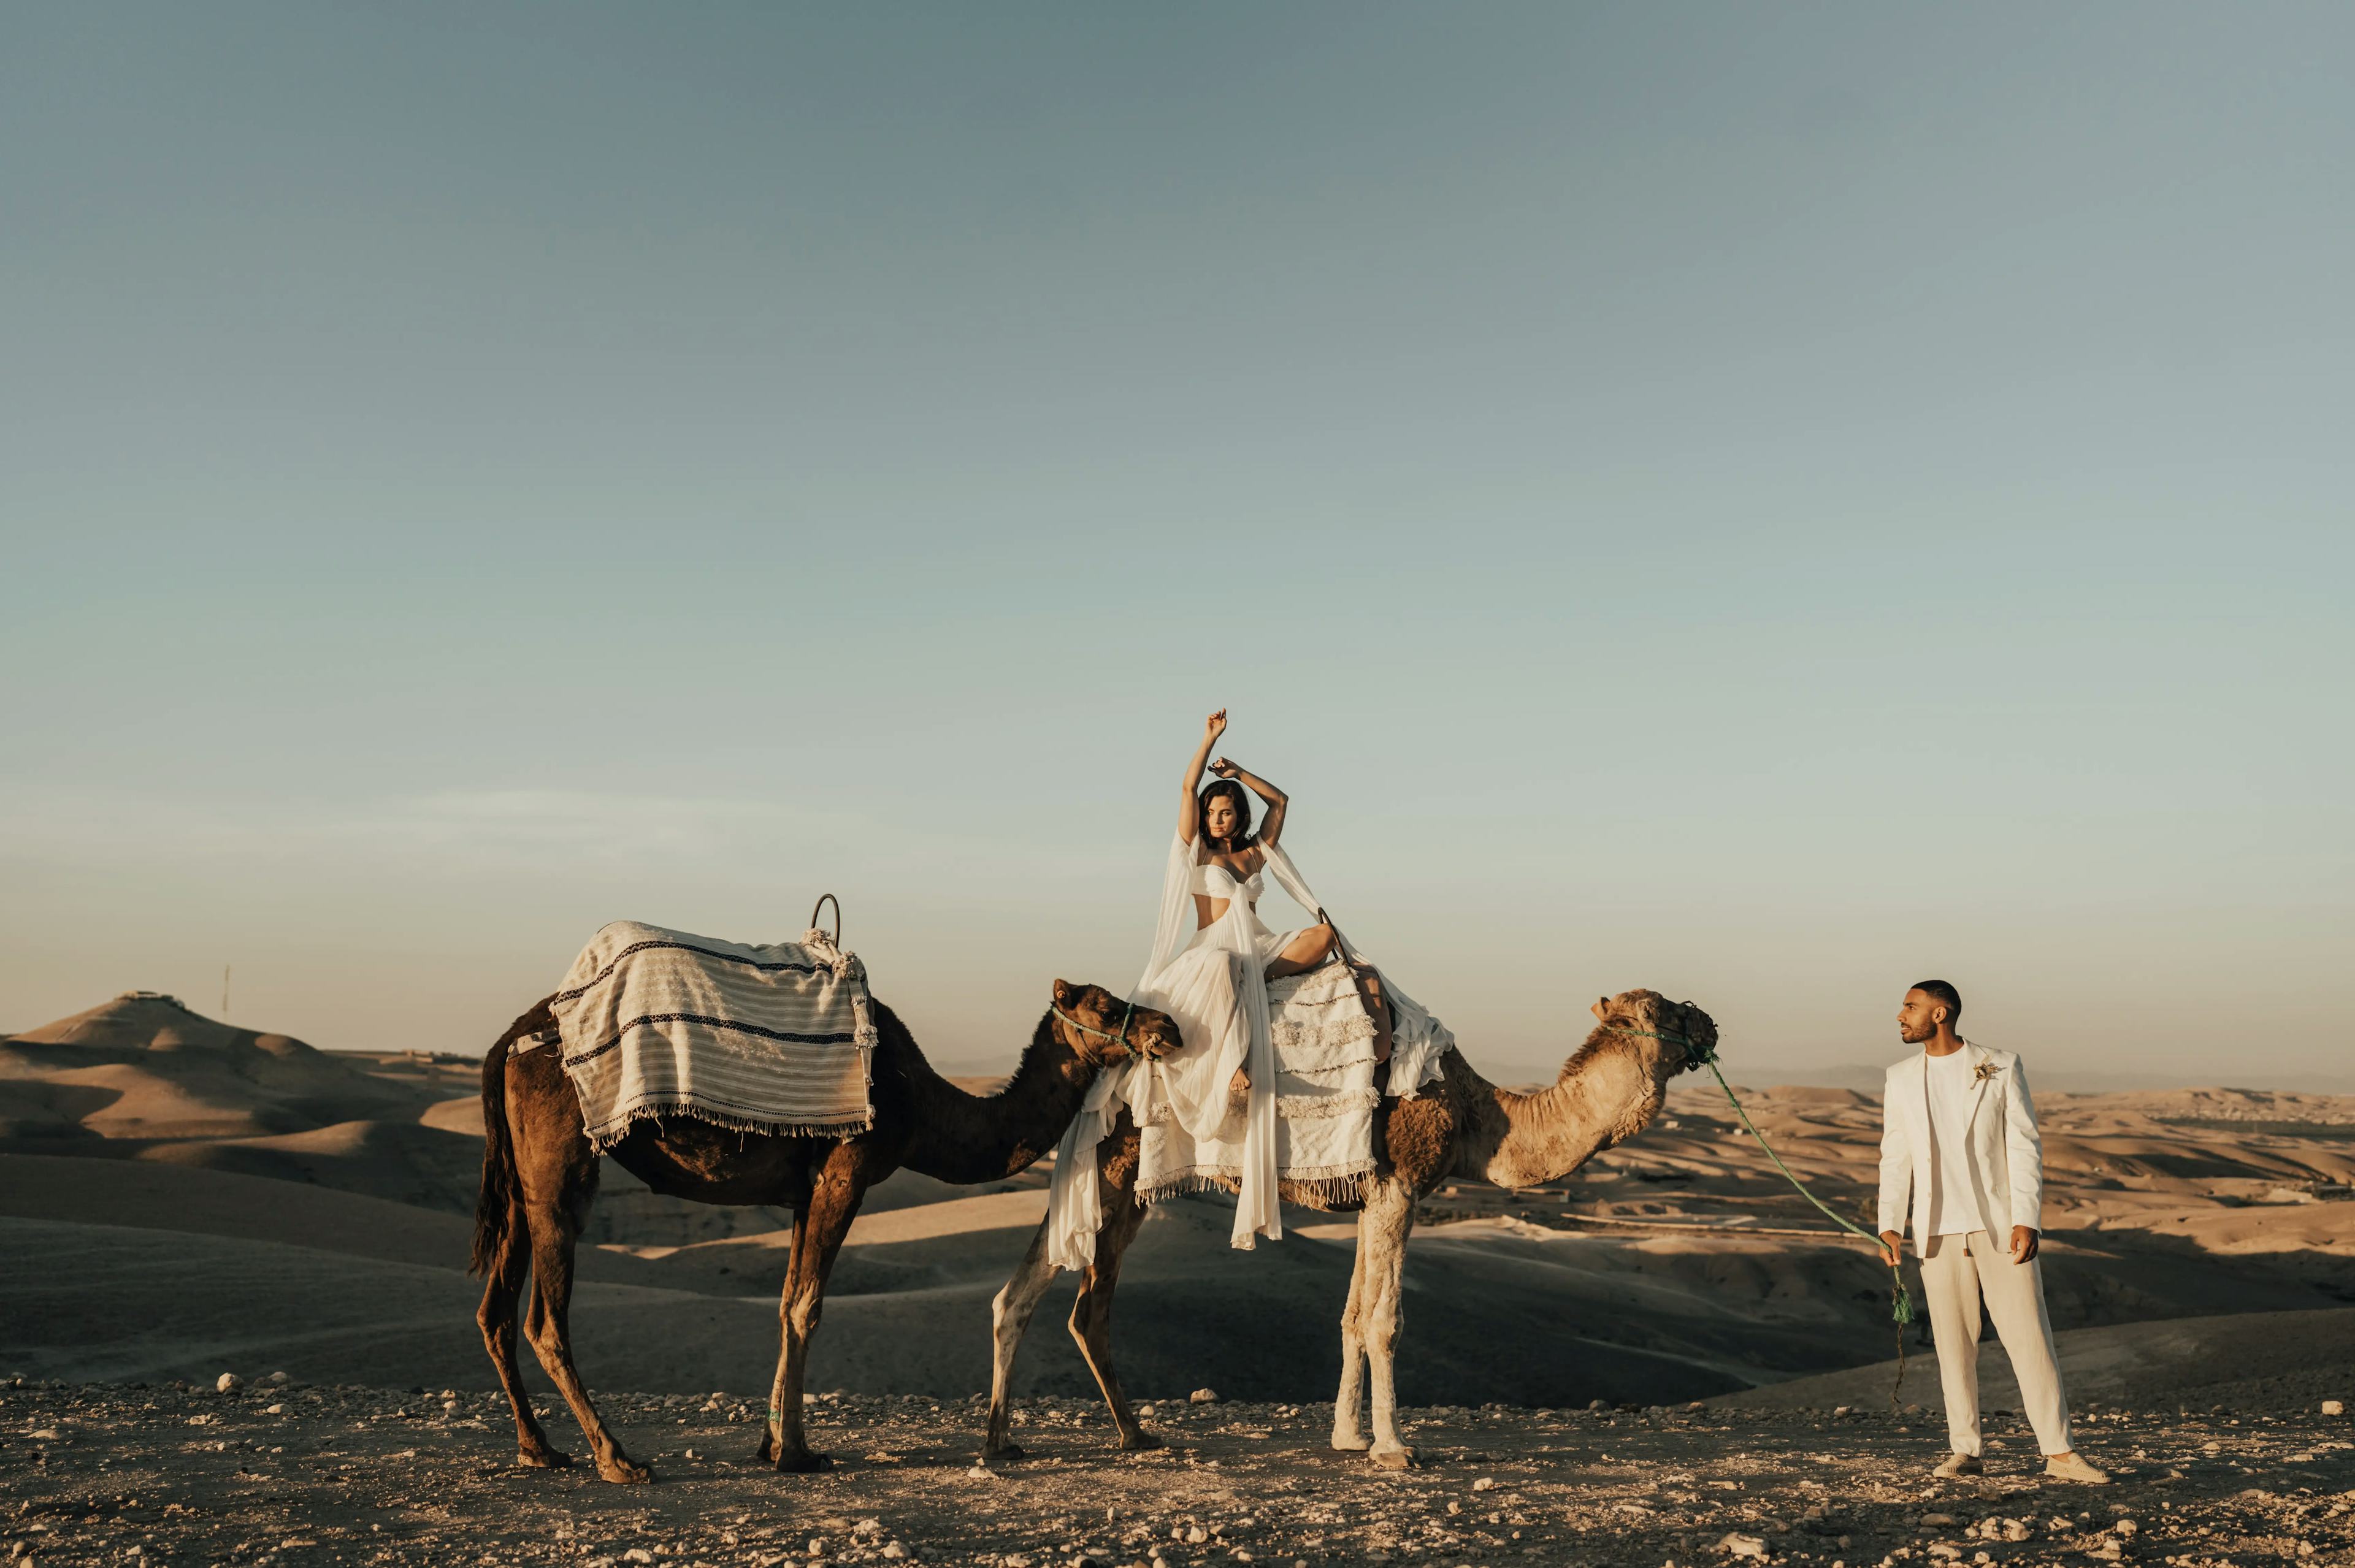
{"points": [[1214, 983]]}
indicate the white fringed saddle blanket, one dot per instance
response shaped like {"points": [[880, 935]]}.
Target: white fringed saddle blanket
{"points": [[1325, 1095], [770, 1038]]}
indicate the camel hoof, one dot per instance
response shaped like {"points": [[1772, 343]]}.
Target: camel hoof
{"points": [[1143, 1442], [804, 1463], [624, 1471], [543, 1459], [1393, 1458], [1005, 1454], [1351, 1442]]}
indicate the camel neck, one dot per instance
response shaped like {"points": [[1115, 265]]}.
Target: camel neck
{"points": [[965, 1137], [1606, 1094]]}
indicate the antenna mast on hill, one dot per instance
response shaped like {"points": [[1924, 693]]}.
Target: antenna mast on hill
{"points": [[224, 992]]}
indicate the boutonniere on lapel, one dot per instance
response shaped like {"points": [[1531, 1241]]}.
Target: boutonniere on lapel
{"points": [[1985, 1071]]}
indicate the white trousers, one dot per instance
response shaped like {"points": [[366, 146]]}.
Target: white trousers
{"points": [[1955, 1272]]}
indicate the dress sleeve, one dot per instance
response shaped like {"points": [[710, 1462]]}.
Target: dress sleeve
{"points": [[1169, 932]]}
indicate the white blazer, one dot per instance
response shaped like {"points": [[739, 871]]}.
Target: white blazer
{"points": [[2004, 1186]]}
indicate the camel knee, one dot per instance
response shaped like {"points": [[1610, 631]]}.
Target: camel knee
{"points": [[547, 1338], [1018, 1298], [499, 1329], [801, 1317]]}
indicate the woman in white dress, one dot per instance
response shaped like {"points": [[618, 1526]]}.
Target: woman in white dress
{"points": [[1208, 1112], [1213, 980]]}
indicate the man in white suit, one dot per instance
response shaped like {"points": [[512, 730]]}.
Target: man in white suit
{"points": [[1958, 1135]]}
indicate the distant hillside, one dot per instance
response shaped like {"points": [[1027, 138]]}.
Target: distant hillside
{"points": [[146, 1066]]}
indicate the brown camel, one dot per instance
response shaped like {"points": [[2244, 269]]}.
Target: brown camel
{"points": [[539, 1176], [1462, 1125]]}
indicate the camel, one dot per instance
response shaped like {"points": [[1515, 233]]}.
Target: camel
{"points": [[539, 1177], [1463, 1126]]}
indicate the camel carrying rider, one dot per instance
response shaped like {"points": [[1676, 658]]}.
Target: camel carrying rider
{"points": [[1958, 1136]]}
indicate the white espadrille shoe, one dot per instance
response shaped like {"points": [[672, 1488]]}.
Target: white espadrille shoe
{"points": [[2073, 1466], [1959, 1464]]}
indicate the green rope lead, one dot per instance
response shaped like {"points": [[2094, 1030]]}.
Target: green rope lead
{"points": [[1900, 1301]]}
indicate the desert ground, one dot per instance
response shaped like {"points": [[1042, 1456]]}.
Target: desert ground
{"points": [[1644, 1361]]}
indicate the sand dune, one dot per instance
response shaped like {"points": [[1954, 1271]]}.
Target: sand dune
{"points": [[146, 1067], [259, 1196]]}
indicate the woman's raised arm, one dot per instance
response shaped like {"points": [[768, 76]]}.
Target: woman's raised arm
{"points": [[1272, 825], [1189, 809]]}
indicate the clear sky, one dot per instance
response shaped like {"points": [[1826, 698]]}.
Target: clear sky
{"points": [[1768, 503]]}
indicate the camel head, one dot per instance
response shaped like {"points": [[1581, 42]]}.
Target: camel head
{"points": [[1669, 1037], [1103, 1030]]}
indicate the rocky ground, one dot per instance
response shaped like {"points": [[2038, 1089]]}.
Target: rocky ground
{"points": [[289, 1477]]}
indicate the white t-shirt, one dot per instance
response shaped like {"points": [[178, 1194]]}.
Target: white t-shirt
{"points": [[1953, 1088]]}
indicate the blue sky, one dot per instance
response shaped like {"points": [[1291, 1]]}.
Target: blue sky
{"points": [[1767, 503]]}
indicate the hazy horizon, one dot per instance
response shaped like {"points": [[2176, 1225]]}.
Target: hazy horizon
{"points": [[1767, 505]]}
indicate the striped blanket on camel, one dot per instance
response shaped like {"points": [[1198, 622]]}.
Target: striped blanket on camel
{"points": [[763, 1038]]}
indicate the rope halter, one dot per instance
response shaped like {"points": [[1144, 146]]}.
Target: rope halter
{"points": [[1697, 1055], [1120, 1039]]}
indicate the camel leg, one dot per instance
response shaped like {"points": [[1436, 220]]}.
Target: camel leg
{"points": [[1348, 1433], [1381, 1239], [1009, 1319], [554, 1226], [501, 1295], [1091, 1312], [767, 1452], [834, 1202]]}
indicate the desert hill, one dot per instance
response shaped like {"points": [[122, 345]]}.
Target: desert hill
{"points": [[145, 1066], [174, 1191]]}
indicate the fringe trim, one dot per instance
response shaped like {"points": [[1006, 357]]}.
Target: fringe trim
{"points": [[1323, 1107], [848, 1124], [1192, 1178], [1325, 1191], [1312, 1187]]}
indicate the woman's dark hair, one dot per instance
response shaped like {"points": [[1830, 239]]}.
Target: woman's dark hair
{"points": [[1234, 792]]}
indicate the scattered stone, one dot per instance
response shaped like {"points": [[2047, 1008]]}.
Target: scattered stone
{"points": [[1736, 1545], [229, 1383], [2334, 1407], [1202, 1396], [1937, 1520], [278, 1379], [1484, 1483]]}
